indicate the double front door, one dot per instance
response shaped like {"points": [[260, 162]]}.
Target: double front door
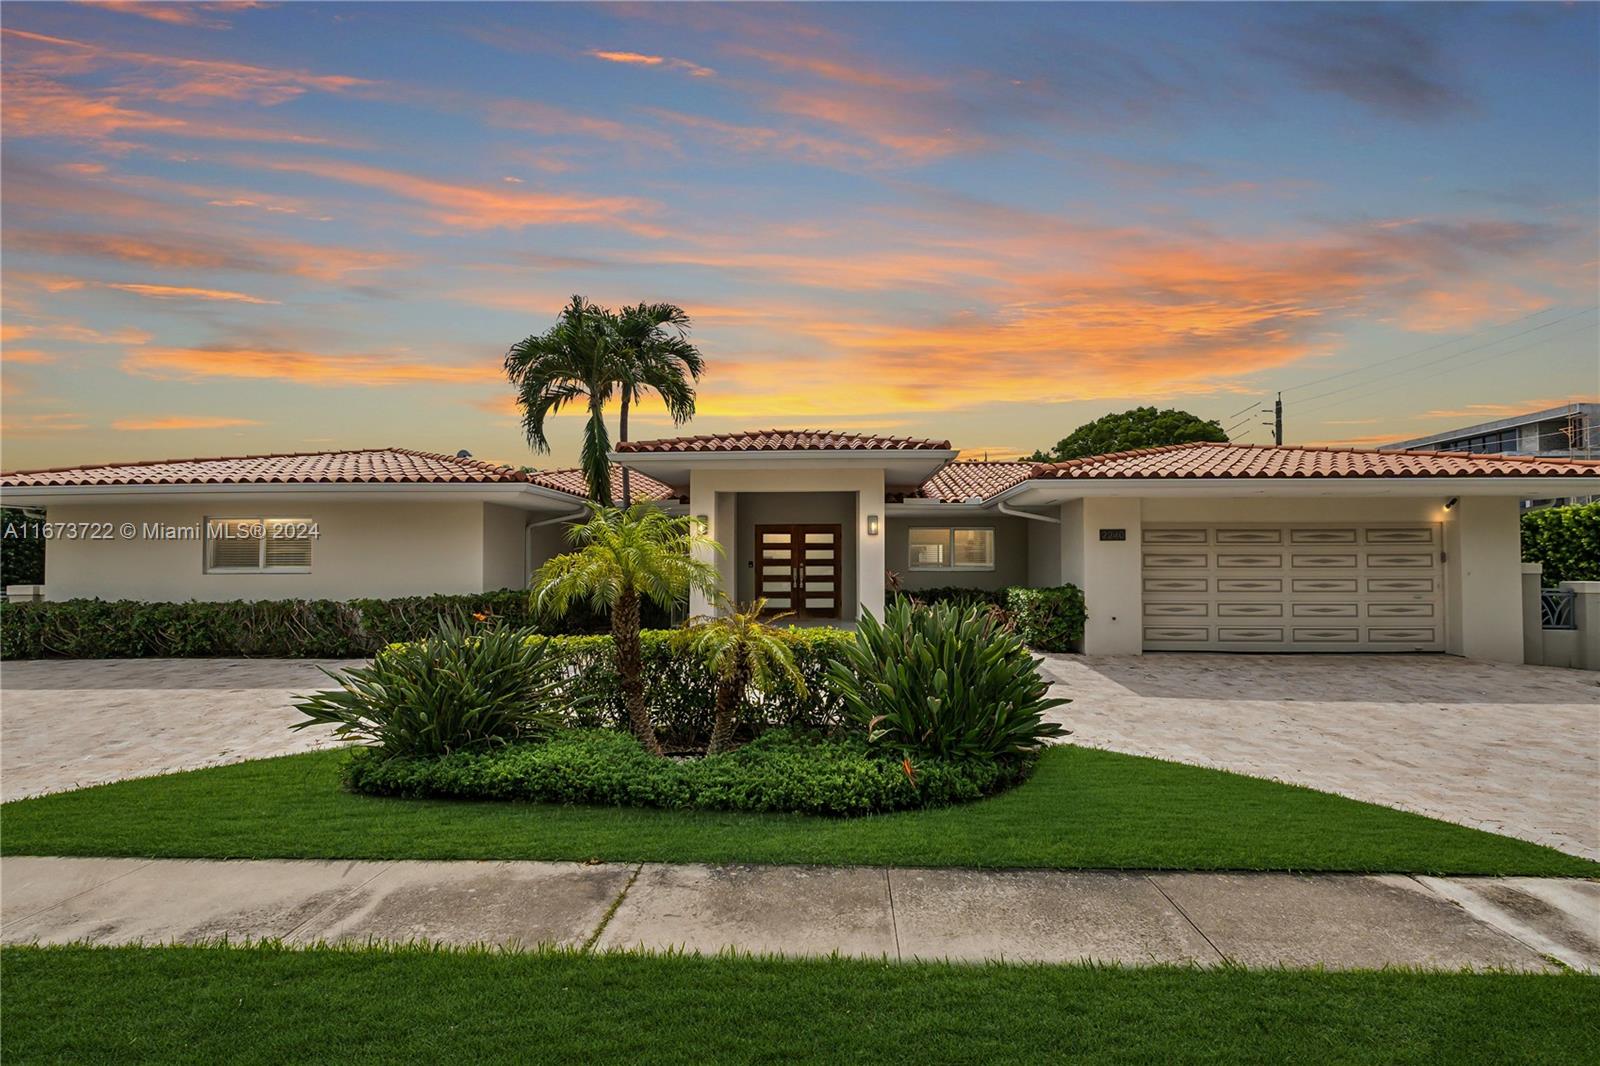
{"points": [[798, 569]]}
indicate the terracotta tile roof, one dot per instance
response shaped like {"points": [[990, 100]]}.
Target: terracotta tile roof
{"points": [[364, 466], [1288, 461], [645, 488], [776, 440], [965, 478]]}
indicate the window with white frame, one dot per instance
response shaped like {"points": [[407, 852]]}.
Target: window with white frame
{"points": [[259, 545], [947, 548]]}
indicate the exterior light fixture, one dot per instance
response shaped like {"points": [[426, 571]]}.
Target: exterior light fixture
{"points": [[872, 525], [1451, 502], [705, 523]]}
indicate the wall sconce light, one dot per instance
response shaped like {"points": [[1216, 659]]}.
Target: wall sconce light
{"points": [[872, 525], [705, 523], [1451, 502]]}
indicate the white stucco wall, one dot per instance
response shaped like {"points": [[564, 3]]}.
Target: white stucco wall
{"points": [[504, 547], [1483, 578], [710, 487], [364, 549], [1107, 571]]}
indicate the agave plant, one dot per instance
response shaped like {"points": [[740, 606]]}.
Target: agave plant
{"points": [[944, 681], [741, 649], [457, 690]]}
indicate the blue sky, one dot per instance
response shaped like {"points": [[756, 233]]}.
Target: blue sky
{"points": [[244, 228]]}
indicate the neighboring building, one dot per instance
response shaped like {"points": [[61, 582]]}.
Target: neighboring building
{"points": [[1226, 547], [1568, 432]]}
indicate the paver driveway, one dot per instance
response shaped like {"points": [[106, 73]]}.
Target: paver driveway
{"points": [[1510, 749], [68, 723]]}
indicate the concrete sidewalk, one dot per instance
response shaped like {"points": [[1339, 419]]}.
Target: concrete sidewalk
{"points": [[1268, 919]]}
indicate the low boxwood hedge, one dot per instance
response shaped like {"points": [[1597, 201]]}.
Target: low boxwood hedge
{"points": [[781, 771], [288, 629]]}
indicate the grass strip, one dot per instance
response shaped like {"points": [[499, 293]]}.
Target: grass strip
{"points": [[269, 1004]]}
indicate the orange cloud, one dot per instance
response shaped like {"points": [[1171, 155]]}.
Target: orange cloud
{"points": [[479, 207], [185, 292], [26, 355], [39, 107], [181, 422], [858, 74], [537, 117], [42, 424], [304, 368], [318, 262], [191, 14], [1488, 412], [694, 70]]}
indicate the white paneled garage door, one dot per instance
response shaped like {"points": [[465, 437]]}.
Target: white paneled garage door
{"points": [[1293, 588]]}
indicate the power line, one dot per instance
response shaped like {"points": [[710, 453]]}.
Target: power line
{"points": [[1474, 362], [1419, 351], [1452, 355]]}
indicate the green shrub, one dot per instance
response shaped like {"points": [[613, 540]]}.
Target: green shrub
{"points": [[944, 681], [459, 690], [679, 687], [1566, 540], [956, 594], [779, 772], [21, 551], [1049, 619], [291, 629]]}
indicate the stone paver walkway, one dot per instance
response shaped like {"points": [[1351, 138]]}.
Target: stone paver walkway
{"points": [[1336, 921], [1510, 749], [69, 723]]}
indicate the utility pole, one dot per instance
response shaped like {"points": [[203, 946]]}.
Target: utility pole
{"points": [[1276, 425]]}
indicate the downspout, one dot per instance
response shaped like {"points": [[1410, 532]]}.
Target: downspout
{"points": [[1006, 508]]}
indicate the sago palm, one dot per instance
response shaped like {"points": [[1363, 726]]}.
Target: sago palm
{"points": [[654, 355], [741, 649], [575, 360], [618, 558]]}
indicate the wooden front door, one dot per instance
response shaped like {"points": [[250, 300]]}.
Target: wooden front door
{"points": [[799, 569]]}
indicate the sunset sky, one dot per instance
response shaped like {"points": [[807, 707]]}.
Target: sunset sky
{"points": [[232, 229]]}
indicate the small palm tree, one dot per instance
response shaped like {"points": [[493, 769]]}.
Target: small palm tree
{"points": [[741, 649], [654, 354], [620, 557], [576, 359]]}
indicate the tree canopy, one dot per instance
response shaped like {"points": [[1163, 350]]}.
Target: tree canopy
{"points": [[1142, 427]]}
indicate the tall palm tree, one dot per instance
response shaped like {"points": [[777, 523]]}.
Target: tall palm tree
{"points": [[620, 556], [654, 354], [576, 359]]}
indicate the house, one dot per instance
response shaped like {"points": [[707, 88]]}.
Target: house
{"points": [[1190, 547], [1571, 431]]}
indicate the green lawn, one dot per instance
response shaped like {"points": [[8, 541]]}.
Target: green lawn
{"points": [[1082, 809], [273, 1005]]}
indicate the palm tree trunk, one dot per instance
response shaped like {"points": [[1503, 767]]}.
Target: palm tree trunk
{"points": [[730, 693], [622, 436], [630, 668], [596, 465]]}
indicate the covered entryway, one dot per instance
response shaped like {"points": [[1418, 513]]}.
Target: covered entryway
{"points": [[801, 569], [1314, 587]]}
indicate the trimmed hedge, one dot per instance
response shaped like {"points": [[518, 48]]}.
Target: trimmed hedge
{"points": [[1049, 619], [779, 772], [286, 629], [679, 690], [1566, 540]]}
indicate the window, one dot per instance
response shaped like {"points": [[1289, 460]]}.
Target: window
{"points": [[951, 549], [259, 545]]}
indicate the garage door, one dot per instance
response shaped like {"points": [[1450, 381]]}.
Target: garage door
{"points": [[1293, 588]]}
